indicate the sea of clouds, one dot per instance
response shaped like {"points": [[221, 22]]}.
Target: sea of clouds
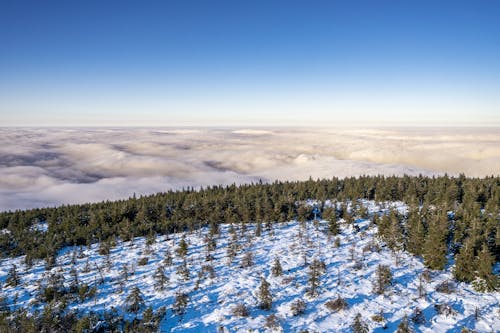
{"points": [[51, 166]]}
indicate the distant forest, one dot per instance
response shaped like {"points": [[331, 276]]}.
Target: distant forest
{"points": [[457, 215]]}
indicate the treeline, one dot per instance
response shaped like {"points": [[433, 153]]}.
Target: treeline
{"points": [[474, 203]]}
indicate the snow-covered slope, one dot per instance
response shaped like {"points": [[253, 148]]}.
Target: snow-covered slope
{"points": [[350, 274]]}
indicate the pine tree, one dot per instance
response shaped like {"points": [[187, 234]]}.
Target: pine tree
{"points": [[404, 326], [435, 246], [359, 325], [415, 230], [486, 281], [134, 300], [180, 303], [167, 259], [465, 263], [264, 295], [316, 268], [160, 278], [13, 278], [277, 270], [183, 271], [383, 279], [182, 249]]}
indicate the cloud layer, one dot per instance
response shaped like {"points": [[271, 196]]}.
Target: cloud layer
{"points": [[45, 167]]}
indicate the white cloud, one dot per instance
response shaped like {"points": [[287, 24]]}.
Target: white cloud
{"points": [[40, 167]]}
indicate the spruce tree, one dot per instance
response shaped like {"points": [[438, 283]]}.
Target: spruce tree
{"points": [[180, 303], [277, 270], [415, 230], [435, 246], [182, 249], [264, 294], [134, 300], [486, 281], [465, 263], [160, 278], [359, 325], [383, 279], [13, 278]]}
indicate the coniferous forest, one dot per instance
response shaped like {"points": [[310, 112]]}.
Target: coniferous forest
{"points": [[455, 218]]}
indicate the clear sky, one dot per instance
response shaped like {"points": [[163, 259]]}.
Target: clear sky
{"points": [[327, 63]]}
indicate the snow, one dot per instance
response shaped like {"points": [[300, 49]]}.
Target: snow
{"points": [[211, 300]]}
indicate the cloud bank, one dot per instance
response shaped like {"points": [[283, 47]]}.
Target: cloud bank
{"points": [[46, 167]]}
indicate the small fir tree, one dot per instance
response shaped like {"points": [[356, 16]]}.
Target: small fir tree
{"points": [[134, 300], [264, 295], [277, 270], [359, 325], [383, 279], [160, 278], [182, 249], [13, 278]]}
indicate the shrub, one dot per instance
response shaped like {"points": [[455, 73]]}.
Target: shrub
{"points": [[143, 261], [379, 317], [337, 304], [446, 287], [444, 309], [240, 310], [298, 307], [272, 322], [418, 316]]}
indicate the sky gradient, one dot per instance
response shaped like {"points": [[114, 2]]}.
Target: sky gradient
{"points": [[225, 63]]}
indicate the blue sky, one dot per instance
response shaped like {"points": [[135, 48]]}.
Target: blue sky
{"points": [[221, 63]]}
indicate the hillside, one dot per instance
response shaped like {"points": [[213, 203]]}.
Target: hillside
{"points": [[219, 277]]}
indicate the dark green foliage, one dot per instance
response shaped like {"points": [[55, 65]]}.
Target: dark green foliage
{"points": [[359, 325], [240, 310], [182, 249], [435, 243], [298, 307], [486, 280], [134, 300], [180, 303], [264, 294], [247, 260], [13, 278], [404, 326], [465, 263], [143, 261], [316, 269], [277, 270], [418, 316], [337, 304], [426, 231], [160, 278], [383, 279]]}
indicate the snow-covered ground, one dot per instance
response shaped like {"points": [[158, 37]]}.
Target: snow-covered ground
{"points": [[350, 274]]}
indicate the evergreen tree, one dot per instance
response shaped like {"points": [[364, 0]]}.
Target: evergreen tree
{"points": [[359, 325], [180, 303], [404, 326], [183, 271], [134, 300], [160, 278], [465, 263], [264, 295], [383, 279], [277, 270], [415, 230], [182, 249], [167, 259], [13, 278], [486, 281], [435, 246], [316, 268]]}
